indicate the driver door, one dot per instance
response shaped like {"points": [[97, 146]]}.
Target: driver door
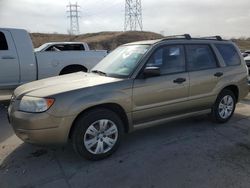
{"points": [[159, 97]]}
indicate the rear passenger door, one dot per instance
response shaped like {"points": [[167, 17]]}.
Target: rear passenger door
{"points": [[9, 64], [204, 73]]}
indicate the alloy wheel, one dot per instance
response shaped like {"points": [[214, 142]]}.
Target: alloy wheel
{"points": [[101, 136], [226, 106]]}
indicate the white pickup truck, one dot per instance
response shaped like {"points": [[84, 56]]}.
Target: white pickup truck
{"points": [[19, 63]]}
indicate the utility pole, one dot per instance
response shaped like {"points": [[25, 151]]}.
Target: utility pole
{"points": [[73, 15], [133, 15]]}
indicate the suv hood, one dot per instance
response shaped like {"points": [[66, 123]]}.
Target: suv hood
{"points": [[61, 84]]}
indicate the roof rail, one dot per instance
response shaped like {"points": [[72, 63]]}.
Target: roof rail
{"points": [[212, 37], [185, 36], [188, 37]]}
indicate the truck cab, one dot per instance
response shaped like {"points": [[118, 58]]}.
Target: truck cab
{"points": [[16, 48]]}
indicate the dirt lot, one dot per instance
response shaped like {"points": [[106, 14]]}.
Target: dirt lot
{"points": [[189, 153]]}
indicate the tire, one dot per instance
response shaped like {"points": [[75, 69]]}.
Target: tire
{"points": [[89, 141], [224, 106]]}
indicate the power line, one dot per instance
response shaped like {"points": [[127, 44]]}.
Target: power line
{"points": [[133, 15], [73, 11]]}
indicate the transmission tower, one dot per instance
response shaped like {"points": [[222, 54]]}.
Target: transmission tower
{"points": [[73, 15], [133, 15]]}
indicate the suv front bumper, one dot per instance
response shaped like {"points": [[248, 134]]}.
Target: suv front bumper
{"points": [[40, 128]]}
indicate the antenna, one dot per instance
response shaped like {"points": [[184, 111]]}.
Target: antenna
{"points": [[133, 15], [73, 14]]}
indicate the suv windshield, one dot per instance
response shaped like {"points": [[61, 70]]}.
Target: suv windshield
{"points": [[122, 61]]}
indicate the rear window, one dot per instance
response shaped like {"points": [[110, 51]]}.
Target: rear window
{"points": [[3, 42], [229, 54]]}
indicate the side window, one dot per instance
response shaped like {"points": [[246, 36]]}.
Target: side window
{"points": [[200, 57], [3, 42], [77, 47], [229, 54], [82, 47], [53, 48], [66, 47], [170, 59]]}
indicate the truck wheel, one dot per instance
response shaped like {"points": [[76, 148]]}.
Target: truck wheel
{"points": [[97, 134], [224, 106]]}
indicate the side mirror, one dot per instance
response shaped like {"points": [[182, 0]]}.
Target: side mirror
{"points": [[151, 72]]}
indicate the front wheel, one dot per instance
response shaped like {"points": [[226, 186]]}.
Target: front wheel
{"points": [[97, 134], [224, 106]]}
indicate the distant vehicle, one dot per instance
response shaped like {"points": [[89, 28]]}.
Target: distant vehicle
{"points": [[246, 53], [19, 63], [63, 46], [137, 85], [247, 60]]}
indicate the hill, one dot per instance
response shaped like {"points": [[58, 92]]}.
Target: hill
{"points": [[102, 40], [110, 40], [243, 43]]}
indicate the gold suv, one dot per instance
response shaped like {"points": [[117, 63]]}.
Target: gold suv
{"points": [[137, 85]]}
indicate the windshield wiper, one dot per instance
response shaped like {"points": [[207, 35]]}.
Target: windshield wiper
{"points": [[99, 72]]}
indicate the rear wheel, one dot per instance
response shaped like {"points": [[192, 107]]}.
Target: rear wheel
{"points": [[224, 106], [97, 134]]}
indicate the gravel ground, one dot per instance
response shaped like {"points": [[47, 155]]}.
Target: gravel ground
{"points": [[194, 152]]}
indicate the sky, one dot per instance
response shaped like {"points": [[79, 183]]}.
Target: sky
{"points": [[229, 18]]}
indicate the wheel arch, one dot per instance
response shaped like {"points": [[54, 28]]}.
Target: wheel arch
{"points": [[116, 108], [76, 67], [234, 89]]}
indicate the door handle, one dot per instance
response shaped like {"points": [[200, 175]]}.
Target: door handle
{"points": [[218, 74], [8, 57], [179, 80]]}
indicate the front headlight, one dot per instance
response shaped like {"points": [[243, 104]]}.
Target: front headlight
{"points": [[35, 104]]}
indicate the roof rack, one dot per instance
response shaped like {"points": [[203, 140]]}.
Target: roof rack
{"points": [[188, 37], [185, 36], [212, 37]]}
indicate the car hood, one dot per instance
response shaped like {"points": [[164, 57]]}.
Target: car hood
{"points": [[61, 84]]}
